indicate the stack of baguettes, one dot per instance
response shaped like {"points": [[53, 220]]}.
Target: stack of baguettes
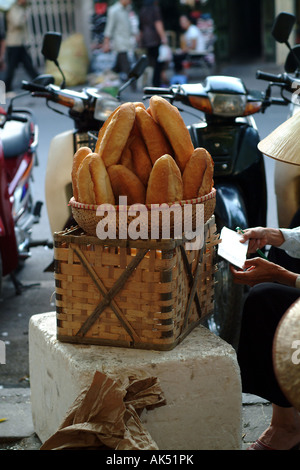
{"points": [[144, 154]]}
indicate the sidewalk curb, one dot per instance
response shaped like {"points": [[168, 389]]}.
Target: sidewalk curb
{"points": [[17, 432], [15, 410]]}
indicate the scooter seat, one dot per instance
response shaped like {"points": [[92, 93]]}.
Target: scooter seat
{"points": [[15, 138]]}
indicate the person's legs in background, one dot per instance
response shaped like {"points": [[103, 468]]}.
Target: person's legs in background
{"points": [[28, 65], [13, 58]]}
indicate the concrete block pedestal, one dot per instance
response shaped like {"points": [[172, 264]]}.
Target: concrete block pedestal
{"points": [[200, 379]]}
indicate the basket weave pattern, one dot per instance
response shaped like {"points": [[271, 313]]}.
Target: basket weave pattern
{"points": [[146, 294], [86, 217]]}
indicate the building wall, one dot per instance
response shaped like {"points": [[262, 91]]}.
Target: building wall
{"points": [[288, 6], [64, 16]]}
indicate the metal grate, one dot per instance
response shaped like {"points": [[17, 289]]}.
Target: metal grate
{"points": [[48, 15]]}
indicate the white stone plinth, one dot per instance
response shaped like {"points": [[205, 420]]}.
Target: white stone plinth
{"points": [[200, 379]]}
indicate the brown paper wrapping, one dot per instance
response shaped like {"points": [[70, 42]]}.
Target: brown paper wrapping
{"points": [[106, 415]]}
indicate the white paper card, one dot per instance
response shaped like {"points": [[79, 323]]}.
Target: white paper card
{"points": [[231, 248]]}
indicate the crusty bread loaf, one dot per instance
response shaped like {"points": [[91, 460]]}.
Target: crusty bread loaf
{"points": [[125, 183], [101, 182], [208, 181], [172, 123], [116, 134], [139, 104], [85, 185], [165, 182], [103, 129], [126, 157], [193, 173], [156, 142], [141, 163], [81, 153]]}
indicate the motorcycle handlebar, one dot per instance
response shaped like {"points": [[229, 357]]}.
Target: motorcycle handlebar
{"points": [[60, 96], [14, 117], [156, 91], [33, 87], [282, 78], [279, 101]]}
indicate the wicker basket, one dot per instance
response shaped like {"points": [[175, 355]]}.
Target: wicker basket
{"points": [[142, 294], [87, 218]]}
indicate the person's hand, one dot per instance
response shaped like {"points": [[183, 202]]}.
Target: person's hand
{"points": [[106, 45], [259, 237], [258, 270]]}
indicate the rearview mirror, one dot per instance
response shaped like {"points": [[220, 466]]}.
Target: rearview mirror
{"points": [[283, 26], [51, 46], [139, 67], [293, 60]]}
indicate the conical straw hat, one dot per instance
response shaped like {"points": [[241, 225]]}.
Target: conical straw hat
{"points": [[286, 354], [284, 143]]}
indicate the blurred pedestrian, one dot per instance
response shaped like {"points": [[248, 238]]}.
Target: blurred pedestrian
{"points": [[16, 43], [152, 35], [192, 41], [118, 36]]}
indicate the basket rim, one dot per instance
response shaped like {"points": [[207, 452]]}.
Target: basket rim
{"points": [[93, 207]]}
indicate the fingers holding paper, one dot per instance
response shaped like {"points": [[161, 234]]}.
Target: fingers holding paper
{"points": [[259, 237], [258, 270]]}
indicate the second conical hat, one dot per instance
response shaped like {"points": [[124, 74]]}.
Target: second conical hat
{"points": [[286, 354], [283, 144]]}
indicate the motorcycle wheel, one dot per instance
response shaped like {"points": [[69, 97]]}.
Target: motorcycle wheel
{"points": [[229, 298]]}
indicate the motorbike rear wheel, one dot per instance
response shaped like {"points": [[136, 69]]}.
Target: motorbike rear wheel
{"points": [[229, 297]]}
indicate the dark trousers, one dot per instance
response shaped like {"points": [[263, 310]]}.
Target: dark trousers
{"points": [[152, 53], [263, 309], [16, 55]]}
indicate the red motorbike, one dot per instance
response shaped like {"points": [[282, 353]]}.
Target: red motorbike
{"points": [[18, 213]]}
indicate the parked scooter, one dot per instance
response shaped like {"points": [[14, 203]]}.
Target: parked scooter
{"points": [[88, 109], [18, 212], [228, 131], [287, 176]]}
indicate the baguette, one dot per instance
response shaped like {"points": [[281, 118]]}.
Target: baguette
{"points": [[86, 193], [165, 182], [107, 122], [126, 157], [193, 174], [141, 163], [125, 183], [208, 181], [116, 134], [103, 129], [156, 142], [81, 153], [172, 123], [101, 182]]}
